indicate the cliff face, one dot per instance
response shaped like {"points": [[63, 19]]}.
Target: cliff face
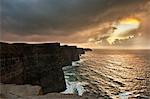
{"points": [[69, 53], [36, 64]]}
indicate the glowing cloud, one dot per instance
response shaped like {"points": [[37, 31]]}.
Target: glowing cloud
{"points": [[123, 29], [130, 21]]}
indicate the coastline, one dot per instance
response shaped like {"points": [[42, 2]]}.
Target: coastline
{"points": [[36, 65], [76, 85]]}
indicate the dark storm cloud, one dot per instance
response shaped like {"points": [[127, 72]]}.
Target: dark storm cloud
{"points": [[27, 17], [36, 16]]}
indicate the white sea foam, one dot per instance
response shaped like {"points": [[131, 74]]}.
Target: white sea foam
{"points": [[66, 67], [124, 95], [74, 88], [70, 74], [76, 63]]}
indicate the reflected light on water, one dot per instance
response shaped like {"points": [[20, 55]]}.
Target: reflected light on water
{"points": [[118, 74]]}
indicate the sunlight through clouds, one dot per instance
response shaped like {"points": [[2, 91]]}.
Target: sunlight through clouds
{"points": [[123, 28]]}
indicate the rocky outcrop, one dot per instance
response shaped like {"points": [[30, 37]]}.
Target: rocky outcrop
{"points": [[12, 91], [87, 49], [36, 64], [81, 51]]}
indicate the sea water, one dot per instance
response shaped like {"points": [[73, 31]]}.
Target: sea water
{"points": [[120, 74]]}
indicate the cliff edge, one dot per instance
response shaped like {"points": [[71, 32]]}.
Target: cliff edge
{"points": [[36, 64]]}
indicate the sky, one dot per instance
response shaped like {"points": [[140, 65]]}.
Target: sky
{"points": [[87, 23]]}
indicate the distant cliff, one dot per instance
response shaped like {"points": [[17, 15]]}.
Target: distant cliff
{"points": [[37, 64]]}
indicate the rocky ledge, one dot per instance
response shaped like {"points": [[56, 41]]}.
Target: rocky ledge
{"points": [[12, 91], [37, 64]]}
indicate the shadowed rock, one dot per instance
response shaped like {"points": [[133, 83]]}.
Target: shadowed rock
{"points": [[36, 64], [87, 49], [81, 51]]}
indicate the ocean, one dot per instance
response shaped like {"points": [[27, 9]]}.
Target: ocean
{"points": [[119, 74]]}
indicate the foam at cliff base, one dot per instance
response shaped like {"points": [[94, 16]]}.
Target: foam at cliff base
{"points": [[74, 64], [77, 63], [73, 87]]}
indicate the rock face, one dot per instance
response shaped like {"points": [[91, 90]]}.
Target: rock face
{"points": [[36, 64], [69, 53]]}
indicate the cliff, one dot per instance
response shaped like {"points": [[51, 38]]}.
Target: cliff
{"points": [[36, 64], [69, 53]]}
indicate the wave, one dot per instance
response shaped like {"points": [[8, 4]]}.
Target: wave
{"points": [[73, 86]]}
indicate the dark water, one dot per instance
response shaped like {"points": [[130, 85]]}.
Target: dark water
{"points": [[117, 73]]}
